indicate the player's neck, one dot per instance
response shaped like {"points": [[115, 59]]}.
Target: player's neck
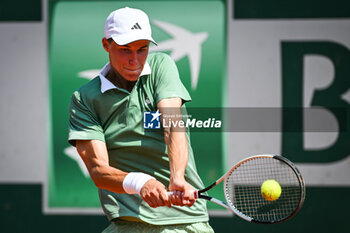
{"points": [[119, 81]]}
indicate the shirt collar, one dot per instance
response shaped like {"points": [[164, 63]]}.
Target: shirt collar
{"points": [[108, 85]]}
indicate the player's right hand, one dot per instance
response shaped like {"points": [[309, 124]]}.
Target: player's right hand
{"points": [[182, 192], [155, 194]]}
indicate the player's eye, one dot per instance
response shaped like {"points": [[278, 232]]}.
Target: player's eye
{"points": [[143, 49], [125, 50]]}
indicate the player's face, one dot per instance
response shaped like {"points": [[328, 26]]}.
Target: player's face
{"points": [[128, 60]]}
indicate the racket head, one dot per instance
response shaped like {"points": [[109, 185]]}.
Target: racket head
{"points": [[242, 188]]}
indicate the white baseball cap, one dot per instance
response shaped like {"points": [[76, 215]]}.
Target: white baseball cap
{"points": [[126, 25]]}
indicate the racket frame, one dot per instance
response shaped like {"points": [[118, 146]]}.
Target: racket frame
{"points": [[230, 206]]}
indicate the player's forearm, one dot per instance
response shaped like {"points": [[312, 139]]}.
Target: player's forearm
{"points": [[95, 156], [175, 137], [108, 178], [178, 154], [178, 158]]}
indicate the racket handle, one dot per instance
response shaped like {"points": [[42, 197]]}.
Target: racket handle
{"points": [[194, 194]]}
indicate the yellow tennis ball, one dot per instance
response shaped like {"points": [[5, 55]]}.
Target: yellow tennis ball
{"points": [[271, 190]]}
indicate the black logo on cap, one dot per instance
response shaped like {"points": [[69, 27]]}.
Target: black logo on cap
{"points": [[136, 26]]}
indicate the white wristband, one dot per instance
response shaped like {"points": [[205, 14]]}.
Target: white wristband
{"points": [[134, 181]]}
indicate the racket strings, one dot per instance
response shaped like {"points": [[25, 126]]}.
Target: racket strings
{"points": [[243, 189]]}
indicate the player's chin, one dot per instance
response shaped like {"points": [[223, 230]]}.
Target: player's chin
{"points": [[132, 77]]}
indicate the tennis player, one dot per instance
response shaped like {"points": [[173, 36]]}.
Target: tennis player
{"points": [[134, 168]]}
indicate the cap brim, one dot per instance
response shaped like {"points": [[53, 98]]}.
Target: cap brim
{"points": [[126, 39]]}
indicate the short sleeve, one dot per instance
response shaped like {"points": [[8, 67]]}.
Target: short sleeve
{"points": [[83, 123], [168, 83]]}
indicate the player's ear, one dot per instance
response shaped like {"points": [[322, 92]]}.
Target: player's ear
{"points": [[105, 44]]}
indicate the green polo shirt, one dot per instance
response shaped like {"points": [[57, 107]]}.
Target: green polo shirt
{"points": [[101, 111]]}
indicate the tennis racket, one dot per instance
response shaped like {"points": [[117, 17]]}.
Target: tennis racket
{"points": [[242, 189]]}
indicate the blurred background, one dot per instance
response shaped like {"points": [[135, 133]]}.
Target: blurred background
{"points": [[236, 58]]}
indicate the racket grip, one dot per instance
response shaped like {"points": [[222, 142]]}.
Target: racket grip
{"points": [[194, 194]]}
